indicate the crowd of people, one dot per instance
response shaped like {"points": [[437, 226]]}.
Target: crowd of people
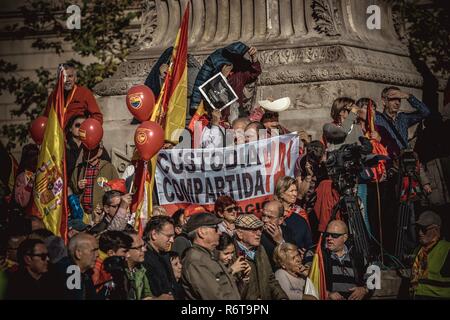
{"points": [[226, 253]]}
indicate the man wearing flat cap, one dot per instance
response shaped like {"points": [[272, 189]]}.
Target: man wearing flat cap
{"points": [[430, 272], [262, 283], [204, 277]]}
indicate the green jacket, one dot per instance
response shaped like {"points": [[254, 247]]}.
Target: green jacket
{"points": [[204, 277], [139, 286], [106, 170], [262, 284], [437, 282]]}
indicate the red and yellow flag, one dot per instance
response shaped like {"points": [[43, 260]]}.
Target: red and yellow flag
{"points": [[316, 281], [370, 119], [378, 148], [170, 113], [139, 204], [50, 186]]}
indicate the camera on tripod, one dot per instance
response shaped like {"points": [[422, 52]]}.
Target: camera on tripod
{"points": [[408, 162], [345, 164]]}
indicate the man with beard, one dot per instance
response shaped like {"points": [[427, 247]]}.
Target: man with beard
{"points": [[78, 99], [430, 276]]}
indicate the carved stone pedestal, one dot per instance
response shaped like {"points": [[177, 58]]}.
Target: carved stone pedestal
{"points": [[311, 50]]}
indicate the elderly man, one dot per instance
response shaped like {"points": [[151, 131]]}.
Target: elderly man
{"points": [[239, 126], [344, 271], [83, 252], [275, 230], [262, 283], [392, 124], [430, 278], [204, 277], [78, 100]]}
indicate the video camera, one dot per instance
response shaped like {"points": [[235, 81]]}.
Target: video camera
{"points": [[408, 162], [117, 289], [345, 165]]}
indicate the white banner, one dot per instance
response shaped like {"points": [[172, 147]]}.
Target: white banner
{"points": [[245, 172]]}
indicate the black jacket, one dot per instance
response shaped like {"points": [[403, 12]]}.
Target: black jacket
{"points": [[22, 286], [159, 273]]}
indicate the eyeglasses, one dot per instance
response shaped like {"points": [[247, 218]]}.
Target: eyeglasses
{"points": [[168, 235], [333, 235], [424, 229], [77, 125], [43, 256], [139, 248], [232, 209]]}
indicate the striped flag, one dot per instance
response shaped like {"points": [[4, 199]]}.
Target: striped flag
{"points": [[380, 169], [316, 281], [170, 113], [139, 204], [370, 119], [50, 187]]}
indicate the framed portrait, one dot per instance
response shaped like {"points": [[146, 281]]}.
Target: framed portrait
{"points": [[218, 92]]}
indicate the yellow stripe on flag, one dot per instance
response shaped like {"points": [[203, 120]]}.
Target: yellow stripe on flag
{"points": [[176, 113], [49, 197]]}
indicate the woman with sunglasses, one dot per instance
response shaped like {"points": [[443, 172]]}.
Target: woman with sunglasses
{"points": [[226, 208], [73, 144]]}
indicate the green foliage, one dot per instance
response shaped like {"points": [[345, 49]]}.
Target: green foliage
{"points": [[428, 31], [103, 36]]}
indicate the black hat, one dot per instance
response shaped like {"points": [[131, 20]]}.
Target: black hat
{"points": [[202, 220]]}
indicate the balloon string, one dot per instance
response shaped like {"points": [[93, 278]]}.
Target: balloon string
{"points": [[87, 163], [85, 172]]}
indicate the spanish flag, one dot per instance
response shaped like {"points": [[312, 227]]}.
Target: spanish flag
{"points": [[170, 113], [50, 186], [316, 281], [172, 103], [139, 204], [380, 169]]}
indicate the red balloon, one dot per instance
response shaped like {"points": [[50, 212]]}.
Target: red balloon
{"points": [[149, 139], [91, 133], [37, 129], [140, 101]]}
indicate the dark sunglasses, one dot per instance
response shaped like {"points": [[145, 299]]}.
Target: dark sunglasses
{"points": [[77, 125], [232, 209], [424, 229], [333, 235], [43, 256]]}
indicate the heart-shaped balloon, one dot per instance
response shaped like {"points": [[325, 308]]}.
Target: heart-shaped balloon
{"points": [[149, 139], [91, 133], [140, 102]]}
